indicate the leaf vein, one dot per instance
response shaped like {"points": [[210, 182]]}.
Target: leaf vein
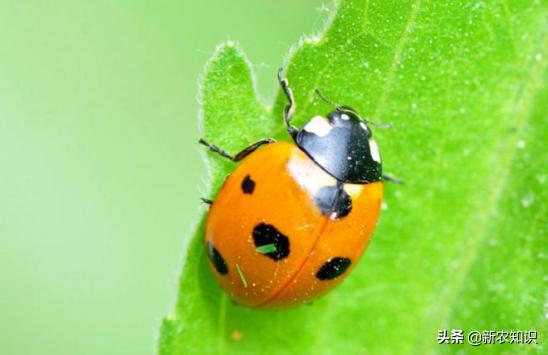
{"points": [[411, 21]]}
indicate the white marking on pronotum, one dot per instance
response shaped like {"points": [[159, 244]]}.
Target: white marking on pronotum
{"points": [[319, 126], [345, 117], [363, 126], [374, 149]]}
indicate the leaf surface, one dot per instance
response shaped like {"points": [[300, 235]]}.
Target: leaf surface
{"points": [[462, 245]]}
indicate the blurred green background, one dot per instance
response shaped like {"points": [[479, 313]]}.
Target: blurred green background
{"points": [[100, 171]]}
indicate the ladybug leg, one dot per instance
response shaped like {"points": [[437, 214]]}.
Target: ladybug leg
{"points": [[206, 201], [251, 148], [289, 110], [216, 149], [244, 153], [392, 179]]}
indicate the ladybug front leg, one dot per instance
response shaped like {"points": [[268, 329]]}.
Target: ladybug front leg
{"points": [[244, 153], [290, 108]]}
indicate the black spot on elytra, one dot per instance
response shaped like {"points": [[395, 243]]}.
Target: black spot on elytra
{"points": [[216, 259], [333, 268], [248, 185], [333, 200], [264, 234]]}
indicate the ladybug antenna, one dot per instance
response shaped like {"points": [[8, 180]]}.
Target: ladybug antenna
{"points": [[344, 108], [379, 125], [326, 100]]}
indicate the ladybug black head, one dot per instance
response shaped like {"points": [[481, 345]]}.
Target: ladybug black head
{"points": [[342, 145]]}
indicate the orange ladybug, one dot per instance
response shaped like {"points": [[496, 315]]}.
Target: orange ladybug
{"points": [[293, 219]]}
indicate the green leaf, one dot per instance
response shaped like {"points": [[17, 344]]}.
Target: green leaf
{"points": [[462, 245]]}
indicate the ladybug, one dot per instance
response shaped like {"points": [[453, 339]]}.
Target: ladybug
{"points": [[293, 219]]}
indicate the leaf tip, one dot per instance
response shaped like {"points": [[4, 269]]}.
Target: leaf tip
{"points": [[227, 56], [227, 47]]}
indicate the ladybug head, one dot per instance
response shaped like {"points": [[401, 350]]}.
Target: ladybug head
{"points": [[342, 145]]}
